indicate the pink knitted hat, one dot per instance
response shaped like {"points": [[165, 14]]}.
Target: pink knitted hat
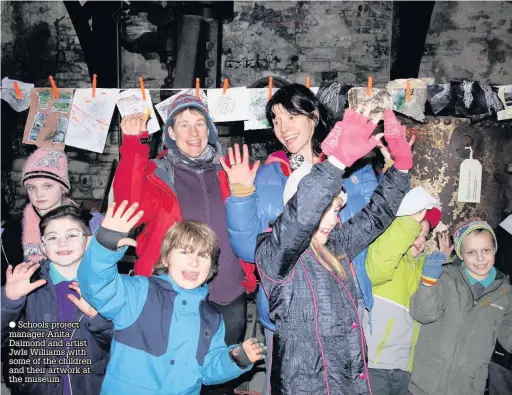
{"points": [[47, 163]]}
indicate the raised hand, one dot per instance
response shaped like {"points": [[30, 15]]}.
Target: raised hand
{"points": [[134, 125], [400, 149], [351, 138], [18, 283], [248, 352], [81, 304], [238, 170], [119, 223], [445, 243]]}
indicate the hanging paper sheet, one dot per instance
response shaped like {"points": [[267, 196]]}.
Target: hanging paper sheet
{"points": [[163, 106], [47, 120], [130, 102], [90, 118], [10, 96], [415, 107], [505, 95], [229, 106], [257, 102], [372, 106]]}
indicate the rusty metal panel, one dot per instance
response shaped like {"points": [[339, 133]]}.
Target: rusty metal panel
{"points": [[438, 153]]}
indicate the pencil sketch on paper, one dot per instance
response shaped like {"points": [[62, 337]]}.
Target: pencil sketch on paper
{"points": [[131, 102], [372, 106], [90, 118], [257, 102], [229, 106], [163, 106]]}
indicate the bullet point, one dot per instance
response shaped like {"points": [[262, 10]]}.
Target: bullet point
{"points": [[12, 324]]}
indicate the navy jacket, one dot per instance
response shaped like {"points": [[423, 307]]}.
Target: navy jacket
{"points": [[41, 305]]}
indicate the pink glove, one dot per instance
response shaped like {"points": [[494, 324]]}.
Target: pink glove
{"points": [[350, 139], [399, 148]]}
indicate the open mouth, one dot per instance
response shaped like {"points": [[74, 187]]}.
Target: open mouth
{"points": [[195, 143], [64, 253], [190, 276], [291, 139], [480, 267], [324, 231]]}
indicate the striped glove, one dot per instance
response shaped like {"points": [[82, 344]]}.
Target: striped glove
{"points": [[432, 268]]}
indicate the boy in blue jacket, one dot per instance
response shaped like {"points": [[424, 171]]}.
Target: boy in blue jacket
{"points": [[168, 339], [50, 309]]}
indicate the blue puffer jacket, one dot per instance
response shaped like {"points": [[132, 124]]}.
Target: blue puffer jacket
{"points": [[168, 340], [249, 216]]}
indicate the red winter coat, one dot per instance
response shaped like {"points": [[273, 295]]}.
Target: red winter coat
{"points": [[135, 181]]}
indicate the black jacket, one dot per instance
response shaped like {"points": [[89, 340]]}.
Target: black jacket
{"points": [[319, 344]]}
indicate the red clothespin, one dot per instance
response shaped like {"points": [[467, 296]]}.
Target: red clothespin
{"points": [[94, 76], [408, 91], [370, 85], [270, 83], [54, 88], [19, 93], [197, 87], [308, 81], [225, 86], [141, 83]]}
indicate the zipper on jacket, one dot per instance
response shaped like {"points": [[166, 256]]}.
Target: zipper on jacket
{"points": [[415, 335], [205, 194], [67, 356], [384, 339]]}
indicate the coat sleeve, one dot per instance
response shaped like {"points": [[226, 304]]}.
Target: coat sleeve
{"points": [[366, 226], [116, 297], [505, 331], [247, 217], [427, 303], [101, 329], [385, 253], [130, 178], [278, 251], [12, 310], [218, 366]]}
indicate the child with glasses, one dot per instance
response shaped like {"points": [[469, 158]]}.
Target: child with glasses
{"points": [[43, 307]]}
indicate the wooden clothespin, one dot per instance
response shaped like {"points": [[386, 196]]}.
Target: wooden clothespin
{"points": [[141, 83], [408, 91], [147, 113], [19, 93], [225, 86], [198, 82], [308, 81], [270, 83], [370, 85], [54, 88], [94, 76]]}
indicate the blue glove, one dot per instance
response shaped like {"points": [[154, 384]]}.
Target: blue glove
{"points": [[433, 268], [95, 222]]}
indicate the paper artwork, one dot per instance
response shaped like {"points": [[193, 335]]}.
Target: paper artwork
{"points": [[163, 106], [90, 118], [231, 106], [47, 120], [257, 102], [9, 94], [415, 107], [372, 106], [130, 102], [505, 95]]}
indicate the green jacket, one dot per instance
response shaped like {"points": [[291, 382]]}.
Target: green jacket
{"points": [[395, 276], [459, 333]]}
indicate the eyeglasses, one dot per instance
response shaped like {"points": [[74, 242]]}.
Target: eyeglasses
{"points": [[54, 238]]}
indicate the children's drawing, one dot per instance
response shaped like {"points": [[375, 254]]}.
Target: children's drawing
{"points": [[63, 104], [372, 106], [415, 107], [130, 102], [90, 118], [36, 126], [163, 106], [229, 106], [505, 95], [9, 94], [44, 98], [47, 119], [258, 99]]}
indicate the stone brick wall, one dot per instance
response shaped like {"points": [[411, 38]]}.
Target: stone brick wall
{"points": [[38, 40], [327, 40]]}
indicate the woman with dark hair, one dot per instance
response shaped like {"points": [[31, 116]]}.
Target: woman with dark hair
{"points": [[300, 124]]}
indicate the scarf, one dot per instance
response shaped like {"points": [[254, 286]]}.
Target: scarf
{"points": [[31, 237], [208, 158]]}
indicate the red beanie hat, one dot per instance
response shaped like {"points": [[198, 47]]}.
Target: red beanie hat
{"points": [[433, 216]]}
